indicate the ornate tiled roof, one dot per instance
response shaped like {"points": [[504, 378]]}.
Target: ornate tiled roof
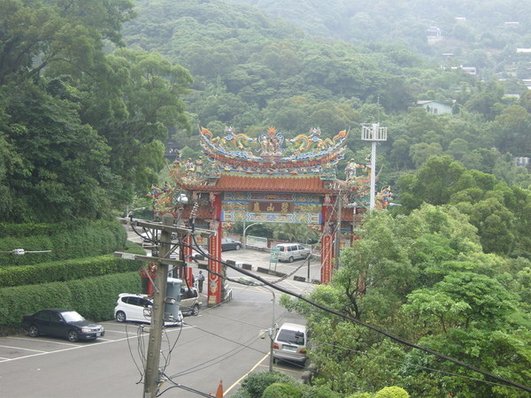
{"points": [[263, 183]]}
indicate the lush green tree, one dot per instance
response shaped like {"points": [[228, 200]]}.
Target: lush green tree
{"points": [[497, 210], [422, 277], [511, 131], [433, 183], [485, 101], [400, 154], [62, 162], [55, 33], [86, 127], [294, 233], [420, 153], [134, 104], [462, 300]]}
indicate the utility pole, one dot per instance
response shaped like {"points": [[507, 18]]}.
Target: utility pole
{"points": [[152, 377]]}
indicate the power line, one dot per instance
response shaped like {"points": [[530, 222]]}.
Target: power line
{"points": [[372, 327], [358, 322], [183, 387], [221, 357], [383, 358]]}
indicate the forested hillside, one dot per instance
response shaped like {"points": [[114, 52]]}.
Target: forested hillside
{"points": [[484, 34], [251, 72]]}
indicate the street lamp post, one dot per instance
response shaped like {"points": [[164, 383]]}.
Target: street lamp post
{"points": [[272, 331], [245, 228]]}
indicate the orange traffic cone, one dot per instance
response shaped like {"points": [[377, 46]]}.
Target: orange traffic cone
{"points": [[219, 392]]}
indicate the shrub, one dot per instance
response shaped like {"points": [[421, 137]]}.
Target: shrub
{"points": [[392, 392], [319, 392], [65, 241], [64, 270], [94, 298], [256, 383], [283, 390]]}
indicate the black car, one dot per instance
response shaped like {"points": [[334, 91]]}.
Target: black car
{"points": [[61, 323], [230, 244]]}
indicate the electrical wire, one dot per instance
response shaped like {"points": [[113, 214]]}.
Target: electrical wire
{"points": [[373, 328], [380, 358], [221, 357], [182, 387], [172, 347], [376, 329], [138, 368]]}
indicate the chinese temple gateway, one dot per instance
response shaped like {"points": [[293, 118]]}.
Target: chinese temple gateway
{"points": [[269, 179]]}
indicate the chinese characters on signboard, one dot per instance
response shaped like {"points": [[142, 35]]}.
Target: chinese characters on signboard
{"points": [[270, 207]]}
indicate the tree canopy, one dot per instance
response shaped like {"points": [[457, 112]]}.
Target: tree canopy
{"points": [[82, 127], [425, 279]]}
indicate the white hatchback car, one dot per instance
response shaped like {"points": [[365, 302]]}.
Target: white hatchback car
{"points": [[137, 308], [290, 343]]}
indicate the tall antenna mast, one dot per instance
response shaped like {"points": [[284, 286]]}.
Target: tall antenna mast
{"points": [[373, 133]]}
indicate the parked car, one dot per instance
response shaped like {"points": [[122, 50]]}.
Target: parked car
{"points": [[230, 244], [200, 254], [189, 304], [61, 323], [137, 308], [196, 255], [290, 343], [291, 251]]}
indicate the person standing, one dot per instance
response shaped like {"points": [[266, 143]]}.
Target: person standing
{"points": [[200, 280]]}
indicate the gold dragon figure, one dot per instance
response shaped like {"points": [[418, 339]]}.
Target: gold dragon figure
{"points": [[329, 142], [301, 143]]}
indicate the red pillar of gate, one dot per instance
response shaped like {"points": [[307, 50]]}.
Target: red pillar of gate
{"points": [[187, 248], [214, 248], [327, 244]]}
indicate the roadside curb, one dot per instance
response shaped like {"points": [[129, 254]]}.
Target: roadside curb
{"points": [[270, 271]]}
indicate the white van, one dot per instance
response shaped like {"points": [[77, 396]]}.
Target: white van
{"points": [[291, 251], [290, 343]]}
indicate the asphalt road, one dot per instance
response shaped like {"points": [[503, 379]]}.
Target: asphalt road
{"points": [[222, 343]]}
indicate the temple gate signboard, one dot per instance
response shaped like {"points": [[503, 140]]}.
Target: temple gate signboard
{"points": [[267, 179]]}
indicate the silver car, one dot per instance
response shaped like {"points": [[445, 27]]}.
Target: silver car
{"points": [[290, 343], [190, 301], [291, 251]]}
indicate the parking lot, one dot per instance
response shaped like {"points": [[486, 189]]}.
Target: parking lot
{"points": [[222, 342], [18, 347]]}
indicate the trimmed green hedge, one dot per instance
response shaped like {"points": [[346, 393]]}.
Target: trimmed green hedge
{"points": [[66, 241], [28, 229], [282, 390], [94, 298], [65, 270], [256, 383]]}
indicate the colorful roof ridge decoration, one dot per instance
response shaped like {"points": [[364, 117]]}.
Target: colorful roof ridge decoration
{"points": [[272, 153]]}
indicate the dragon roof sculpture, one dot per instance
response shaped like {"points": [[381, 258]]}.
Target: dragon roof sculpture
{"points": [[271, 152]]}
